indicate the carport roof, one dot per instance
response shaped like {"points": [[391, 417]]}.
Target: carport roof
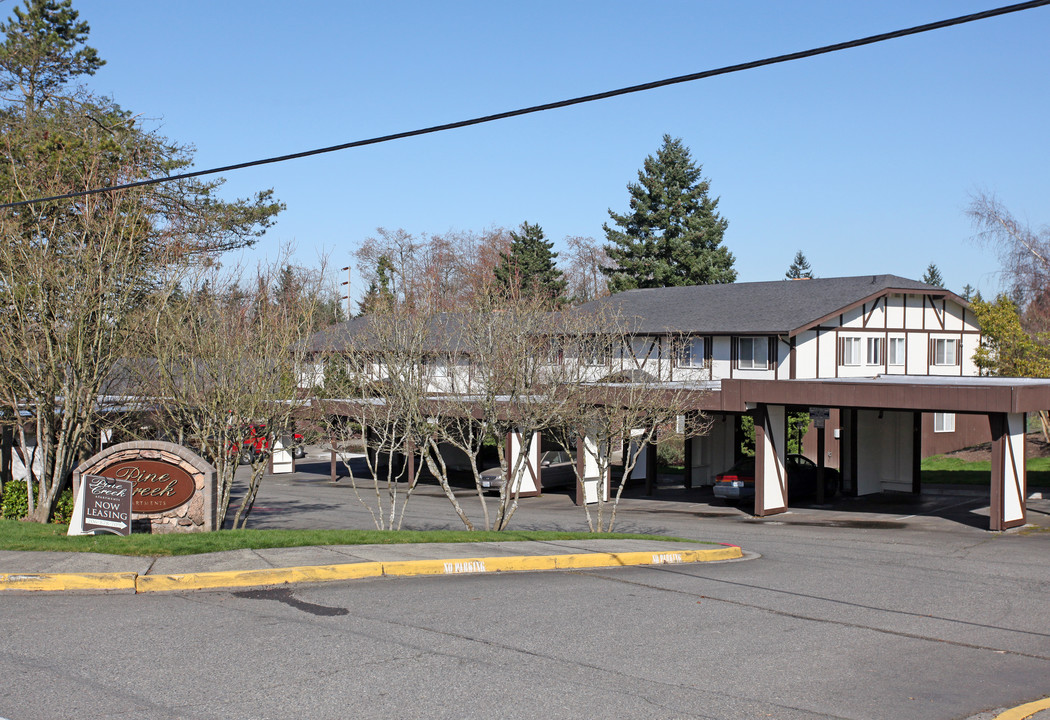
{"points": [[893, 392]]}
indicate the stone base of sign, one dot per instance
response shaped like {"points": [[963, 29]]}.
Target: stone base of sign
{"points": [[197, 514]]}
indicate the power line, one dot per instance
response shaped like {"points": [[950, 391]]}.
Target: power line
{"points": [[823, 50]]}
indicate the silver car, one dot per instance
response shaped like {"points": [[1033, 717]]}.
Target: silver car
{"points": [[557, 469]]}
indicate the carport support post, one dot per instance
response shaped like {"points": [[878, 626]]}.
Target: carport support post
{"points": [[1009, 480], [650, 465], [688, 461], [820, 464], [770, 469], [916, 454]]}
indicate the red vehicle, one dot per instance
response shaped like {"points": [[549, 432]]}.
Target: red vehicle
{"points": [[256, 443]]}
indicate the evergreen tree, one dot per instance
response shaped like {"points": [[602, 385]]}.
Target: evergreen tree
{"points": [[968, 292], [379, 294], [528, 267], [799, 268], [43, 49], [76, 275], [672, 234], [933, 276]]}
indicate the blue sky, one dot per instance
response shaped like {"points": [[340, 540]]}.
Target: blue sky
{"points": [[864, 159]]}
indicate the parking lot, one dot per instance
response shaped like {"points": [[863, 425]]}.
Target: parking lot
{"points": [[308, 499]]}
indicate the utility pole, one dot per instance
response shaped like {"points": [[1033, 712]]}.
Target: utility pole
{"points": [[346, 297]]}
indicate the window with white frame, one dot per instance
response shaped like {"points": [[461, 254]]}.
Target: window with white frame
{"points": [[945, 351], [874, 351], [851, 351], [753, 353], [944, 422], [896, 351], [691, 352]]}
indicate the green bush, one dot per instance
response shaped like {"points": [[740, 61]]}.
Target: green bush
{"points": [[64, 508], [670, 451], [15, 504]]}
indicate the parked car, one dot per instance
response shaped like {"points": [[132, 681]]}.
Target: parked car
{"points": [[556, 470], [738, 482], [256, 442]]}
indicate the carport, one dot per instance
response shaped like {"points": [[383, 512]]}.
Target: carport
{"points": [[879, 438]]}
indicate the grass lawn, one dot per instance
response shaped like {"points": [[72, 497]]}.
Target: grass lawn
{"points": [[940, 469], [18, 535]]}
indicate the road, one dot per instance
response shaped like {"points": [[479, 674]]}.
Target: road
{"points": [[862, 615]]}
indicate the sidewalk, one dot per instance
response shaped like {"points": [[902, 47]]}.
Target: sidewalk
{"points": [[67, 571]]}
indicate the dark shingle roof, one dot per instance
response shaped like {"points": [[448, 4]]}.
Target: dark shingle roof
{"points": [[779, 306]]}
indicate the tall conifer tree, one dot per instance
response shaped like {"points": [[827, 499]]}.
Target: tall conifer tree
{"points": [[528, 268], [672, 234], [799, 268]]}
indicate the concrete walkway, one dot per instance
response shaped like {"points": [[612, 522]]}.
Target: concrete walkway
{"points": [[70, 571]]}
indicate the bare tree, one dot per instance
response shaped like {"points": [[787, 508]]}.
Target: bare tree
{"points": [[440, 272], [1024, 252], [624, 397], [377, 395], [227, 368], [585, 275]]}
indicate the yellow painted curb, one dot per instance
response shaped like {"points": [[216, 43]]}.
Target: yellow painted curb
{"points": [[1024, 711], [556, 562], [50, 582], [132, 582], [254, 578]]}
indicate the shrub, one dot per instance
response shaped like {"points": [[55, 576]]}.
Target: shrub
{"points": [[15, 504], [670, 451], [64, 508]]}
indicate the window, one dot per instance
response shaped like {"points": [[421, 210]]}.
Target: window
{"points": [[439, 367], [896, 351], [945, 351], [874, 356], [691, 353], [944, 422], [753, 353], [851, 351], [596, 353]]}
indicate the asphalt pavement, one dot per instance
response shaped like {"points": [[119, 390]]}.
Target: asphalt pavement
{"points": [[308, 499]]}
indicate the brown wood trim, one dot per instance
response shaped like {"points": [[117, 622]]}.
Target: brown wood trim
{"points": [[1020, 480], [816, 364], [762, 422], [882, 293], [870, 313], [939, 315], [792, 361]]}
